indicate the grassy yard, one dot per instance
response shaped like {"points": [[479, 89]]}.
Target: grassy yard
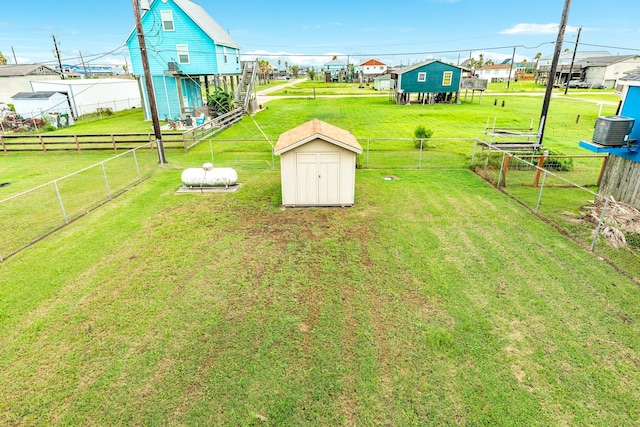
{"points": [[418, 306], [435, 300]]}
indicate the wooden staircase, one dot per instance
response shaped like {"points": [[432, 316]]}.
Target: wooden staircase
{"points": [[244, 93]]}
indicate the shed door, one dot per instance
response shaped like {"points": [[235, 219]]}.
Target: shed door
{"points": [[318, 180]]}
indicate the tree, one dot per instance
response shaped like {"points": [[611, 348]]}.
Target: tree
{"points": [[279, 62], [295, 70], [537, 58], [312, 73], [264, 69], [3, 60], [286, 66]]}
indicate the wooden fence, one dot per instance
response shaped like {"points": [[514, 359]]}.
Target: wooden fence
{"points": [[117, 141]]}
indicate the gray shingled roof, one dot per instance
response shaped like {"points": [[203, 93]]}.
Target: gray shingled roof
{"points": [[34, 95], [16, 70]]}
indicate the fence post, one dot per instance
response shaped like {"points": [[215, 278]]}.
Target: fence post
{"points": [[544, 178], [113, 141], [420, 156], [536, 179], [44, 147], [77, 143], [64, 213], [604, 165], [368, 140], [600, 222], [473, 152], [503, 164], [135, 160], [106, 181]]}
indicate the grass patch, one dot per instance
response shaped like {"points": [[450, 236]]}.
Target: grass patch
{"points": [[228, 310]]}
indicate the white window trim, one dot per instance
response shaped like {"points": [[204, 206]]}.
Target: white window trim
{"points": [[169, 14], [183, 49], [422, 77], [444, 78]]}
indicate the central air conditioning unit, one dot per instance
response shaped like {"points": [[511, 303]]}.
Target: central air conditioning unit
{"points": [[172, 67], [612, 131]]}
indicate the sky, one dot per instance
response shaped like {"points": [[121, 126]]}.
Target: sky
{"points": [[309, 33]]}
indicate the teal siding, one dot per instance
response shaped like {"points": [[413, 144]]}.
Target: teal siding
{"points": [[167, 100], [205, 57], [435, 72], [192, 93]]}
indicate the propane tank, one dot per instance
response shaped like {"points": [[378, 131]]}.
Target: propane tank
{"points": [[208, 176]]}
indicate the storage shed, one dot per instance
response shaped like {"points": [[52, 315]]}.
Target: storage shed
{"points": [[318, 165], [43, 105]]}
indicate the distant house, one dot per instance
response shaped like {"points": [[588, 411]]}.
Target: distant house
{"points": [[17, 78], [383, 82], [605, 71], [185, 46], [84, 70], [335, 70], [565, 60], [432, 81], [372, 68], [496, 73], [43, 105]]}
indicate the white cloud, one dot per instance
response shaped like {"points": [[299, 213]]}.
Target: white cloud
{"points": [[299, 59], [536, 29]]}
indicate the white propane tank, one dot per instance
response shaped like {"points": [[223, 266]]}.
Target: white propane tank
{"points": [[208, 176]]}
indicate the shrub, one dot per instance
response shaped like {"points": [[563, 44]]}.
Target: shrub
{"points": [[422, 135], [554, 164], [104, 112], [220, 101]]}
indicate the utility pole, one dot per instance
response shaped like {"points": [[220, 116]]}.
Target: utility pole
{"points": [[84, 66], [552, 72], [55, 44], [149, 84], [513, 56], [573, 58], [15, 60]]}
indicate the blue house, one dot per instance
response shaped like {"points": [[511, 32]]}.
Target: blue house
{"points": [[335, 70], [432, 81], [621, 142], [185, 46]]}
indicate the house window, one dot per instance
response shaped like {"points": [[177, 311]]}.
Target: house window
{"points": [[237, 57], [446, 78], [224, 54], [167, 20], [183, 53], [422, 77]]}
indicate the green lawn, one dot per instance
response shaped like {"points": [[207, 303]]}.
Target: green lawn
{"points": [[415, 307], [435, 300]]}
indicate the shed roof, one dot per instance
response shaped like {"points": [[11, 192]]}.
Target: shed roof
{"points": [[315, 129], [13, 70], [35, 95]]}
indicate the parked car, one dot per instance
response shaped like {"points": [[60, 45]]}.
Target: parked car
{"points": [[578, 84]]}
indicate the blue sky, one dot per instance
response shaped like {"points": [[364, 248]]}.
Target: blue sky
{"points": [[310, 33]]}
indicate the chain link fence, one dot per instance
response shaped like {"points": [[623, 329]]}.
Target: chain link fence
{"points": [[562, 189], [29, 216]]}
